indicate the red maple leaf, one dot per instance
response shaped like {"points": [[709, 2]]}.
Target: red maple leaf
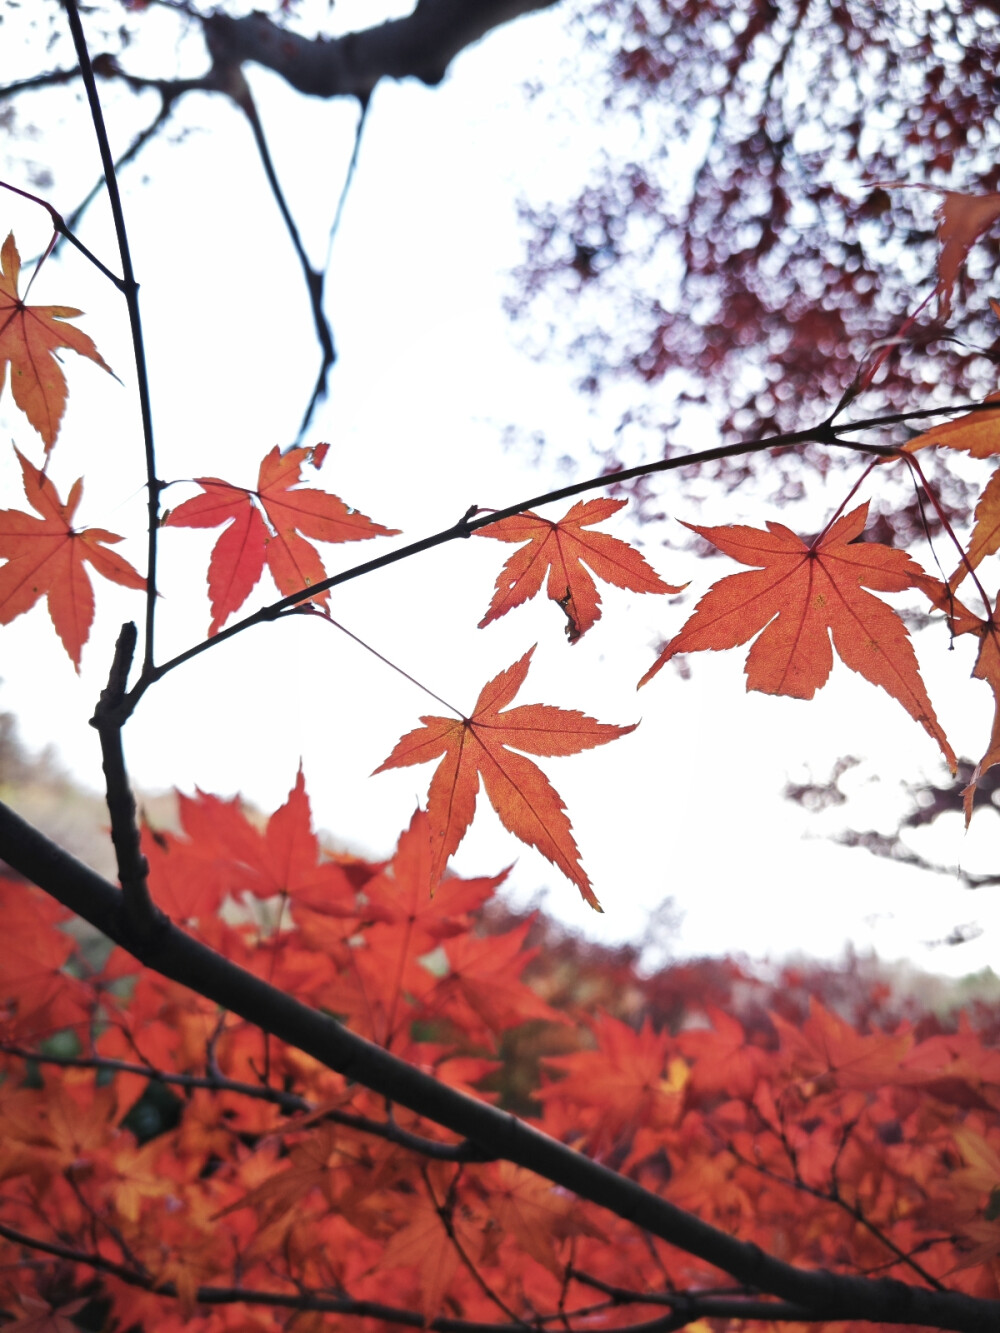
{"points": [[563, 550], [485, 745], [29, 336], [270, 526], [800, 595], [47, 556]]}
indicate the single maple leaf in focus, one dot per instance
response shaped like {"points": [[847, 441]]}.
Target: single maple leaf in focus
{"points": [[29, 337], [564, 550], [270, 526], [47, 556], [485, 745], [799, 597]]}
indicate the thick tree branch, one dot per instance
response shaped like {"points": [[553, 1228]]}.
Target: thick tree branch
{"points": [[819, 1294], [144, 917], [421, 46]]}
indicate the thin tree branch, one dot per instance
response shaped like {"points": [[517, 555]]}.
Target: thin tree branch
{"points": [[131, 290], [468, 524], [345, 189], [61, 227], [144, 917], [689, 1306], [825, 433], [129, 155], [51, 79], [289, 1102], [315, 280], [818, 1293]]}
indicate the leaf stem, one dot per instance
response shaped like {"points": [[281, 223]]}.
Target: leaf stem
{"points": [[375, 653]]}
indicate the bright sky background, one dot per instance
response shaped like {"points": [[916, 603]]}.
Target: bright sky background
{"points": [[429, 377]]}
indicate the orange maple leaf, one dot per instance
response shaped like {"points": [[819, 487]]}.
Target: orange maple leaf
{"points": [[800, 595], [962, 219], [985, 539], [484, 745], [270, 525], [963, 621], [47, 555], [978, 433], [29, 336], [563, 550]]}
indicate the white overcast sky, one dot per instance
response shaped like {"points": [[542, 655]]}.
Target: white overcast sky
{"points": [[429, 377]]}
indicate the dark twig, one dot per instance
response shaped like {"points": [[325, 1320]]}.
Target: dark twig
{"points": [[129, 155], [143, 918], [446, 1213], [239, 91], [824, 433], [131, 290], [834, 1197], [62, 227], [287, 1101], [693, 1306], [51, 79], [345, 189]]}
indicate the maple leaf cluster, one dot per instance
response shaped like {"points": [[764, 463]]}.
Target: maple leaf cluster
{"points": [[175, 1166], [802, 600]]}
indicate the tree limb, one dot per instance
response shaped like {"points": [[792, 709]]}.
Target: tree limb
{"points": [[422, 45]]}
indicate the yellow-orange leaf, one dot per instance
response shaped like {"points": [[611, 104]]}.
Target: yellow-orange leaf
{"points": [[29, 337], [485, 745], [985, 539], [800, 596], [978, 433]]}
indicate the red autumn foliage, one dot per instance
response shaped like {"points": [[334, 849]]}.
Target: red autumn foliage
{"points": [[186, 1169], [282, 1086]]}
